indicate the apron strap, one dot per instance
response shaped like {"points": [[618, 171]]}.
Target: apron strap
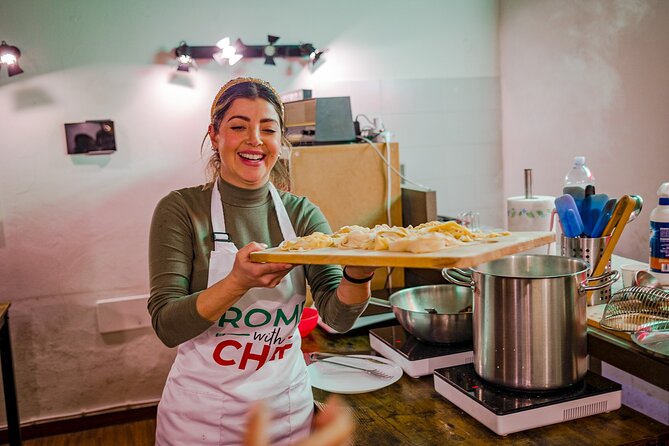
{"points": [[218, 219], [286, 226]]}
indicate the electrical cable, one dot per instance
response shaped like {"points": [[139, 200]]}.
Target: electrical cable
{"points": [[389, 197], [365, 116], [388, 284], [371, 143], [390, 168], [389, 202], [373, 130]]}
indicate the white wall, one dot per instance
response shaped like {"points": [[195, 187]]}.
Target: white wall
{"points": [[74, 229], [587, 78]]}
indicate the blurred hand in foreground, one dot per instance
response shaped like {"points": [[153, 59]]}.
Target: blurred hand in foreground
{"points": [[333, 426]]}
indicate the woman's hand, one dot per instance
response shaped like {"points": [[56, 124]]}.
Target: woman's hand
{"points": [[213, 302], [246, 274], [333, 426]]}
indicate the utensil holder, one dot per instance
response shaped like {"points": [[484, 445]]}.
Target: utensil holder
{"points": [[589, 249]]}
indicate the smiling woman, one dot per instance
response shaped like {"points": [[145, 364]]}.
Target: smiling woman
{"points": [[235, 321]]}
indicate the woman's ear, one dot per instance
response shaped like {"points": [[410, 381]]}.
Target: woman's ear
{"points": [[284, 153], [212, 135]]}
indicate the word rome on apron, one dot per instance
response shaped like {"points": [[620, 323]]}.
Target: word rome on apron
{"points": [[274, 344]]}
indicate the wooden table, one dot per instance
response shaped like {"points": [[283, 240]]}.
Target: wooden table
{"points": [[411, 412], [9, 386]]}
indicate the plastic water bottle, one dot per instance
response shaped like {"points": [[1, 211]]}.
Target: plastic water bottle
{"points": [[577, 180], [579, 175], [659, 236]]}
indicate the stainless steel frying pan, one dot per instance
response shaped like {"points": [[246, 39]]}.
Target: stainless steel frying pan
{"points": [[439, 314]]}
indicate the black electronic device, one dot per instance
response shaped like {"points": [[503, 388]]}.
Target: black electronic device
{"points": [[319, 121]]}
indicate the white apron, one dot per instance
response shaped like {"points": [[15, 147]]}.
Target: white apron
{"points": [[252, 353]]}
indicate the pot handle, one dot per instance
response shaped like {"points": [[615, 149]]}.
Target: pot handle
{"points": [[608, 279], [379, 302], [447, 273]]}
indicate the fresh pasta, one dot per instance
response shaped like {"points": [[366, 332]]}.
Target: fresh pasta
{"points": [[312, 241], [427, 237]]}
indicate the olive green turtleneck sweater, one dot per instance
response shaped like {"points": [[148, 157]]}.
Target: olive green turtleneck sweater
{"points": [[181, 240]]}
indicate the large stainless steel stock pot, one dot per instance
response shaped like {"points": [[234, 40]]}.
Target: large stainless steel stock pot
{"points": [[529, 319]]}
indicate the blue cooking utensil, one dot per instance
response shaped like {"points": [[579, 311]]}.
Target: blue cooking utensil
{"points": [[573, 225], [567, 210], [577, 192], [603, 219], [591, 209]]}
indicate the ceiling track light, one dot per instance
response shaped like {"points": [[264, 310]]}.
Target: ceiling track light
{"points": [[184, 57], [271, 51], [224, 52], [9, 55]]}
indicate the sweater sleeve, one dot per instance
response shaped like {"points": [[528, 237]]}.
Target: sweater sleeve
{"points": [[324, 279], [171, 243]]}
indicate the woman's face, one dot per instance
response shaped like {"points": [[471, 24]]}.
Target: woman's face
{"points": [[248, 141]]}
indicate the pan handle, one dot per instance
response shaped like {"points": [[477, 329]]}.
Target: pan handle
{"points": [[379, 302], [608, 279], [459, 279]]}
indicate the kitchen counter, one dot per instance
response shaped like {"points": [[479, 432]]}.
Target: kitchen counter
{"points": [[617, 349], [411, 412]]}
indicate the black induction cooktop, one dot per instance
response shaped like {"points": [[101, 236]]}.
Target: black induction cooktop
{"points": [[503, 401], [407, 345]]}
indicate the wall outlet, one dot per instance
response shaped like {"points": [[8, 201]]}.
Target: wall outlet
{"points": [[123, 313]]}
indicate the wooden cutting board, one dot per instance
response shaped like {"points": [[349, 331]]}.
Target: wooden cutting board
{"points": [[465, 256]]}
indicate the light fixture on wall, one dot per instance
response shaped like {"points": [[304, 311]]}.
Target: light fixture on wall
{"points": [[9, 55], [221, 52], [184, 59], [227, 52], [271, 50], [224, 51]]}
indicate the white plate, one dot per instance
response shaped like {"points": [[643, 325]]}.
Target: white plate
{"points": [[338, 379]]}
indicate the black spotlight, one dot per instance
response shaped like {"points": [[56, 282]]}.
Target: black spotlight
{"points": [[270, 50], [10, 55], [183, 54]]}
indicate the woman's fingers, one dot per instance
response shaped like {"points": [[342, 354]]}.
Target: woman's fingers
{"points": [[334, 426], [257, 430], [253, 274], [252, 247]]}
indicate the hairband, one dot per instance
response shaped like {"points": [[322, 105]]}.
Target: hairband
{"points": [[241, 80]]}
